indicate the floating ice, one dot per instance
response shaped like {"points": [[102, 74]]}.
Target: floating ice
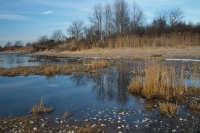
{"points": [[194, 60]]}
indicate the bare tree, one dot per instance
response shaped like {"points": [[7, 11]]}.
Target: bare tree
{"points": [[160, 22], [97, 18], [175, 16], [108, 19], [28, 44], [18, 44], [43, 39], [57, 35], [8, 45], [138, 17], [121, 16], [76, 29]]}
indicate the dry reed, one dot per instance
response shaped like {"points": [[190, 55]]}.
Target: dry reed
{"points": [[66, 115], [135, 41], [41, 109], [99, 64], [168, 109], [195, 107], [161, 81]]}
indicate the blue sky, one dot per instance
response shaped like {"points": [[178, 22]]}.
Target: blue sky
{"points": [[26, 20]]}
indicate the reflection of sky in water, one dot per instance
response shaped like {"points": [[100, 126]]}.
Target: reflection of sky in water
{"points": [[83, 95], [14, 60]]}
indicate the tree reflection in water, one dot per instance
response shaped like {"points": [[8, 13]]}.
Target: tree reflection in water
{"points": [[109, 86], [80, 79]]}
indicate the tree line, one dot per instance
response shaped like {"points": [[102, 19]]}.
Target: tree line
{"points": [[118, 20]]}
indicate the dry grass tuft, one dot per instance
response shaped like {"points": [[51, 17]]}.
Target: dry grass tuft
{"points": [[195, 107], [160, 81], [136, 58], [49, 71], [41, 109], [99, 64], [168, 109], [136, 86], [156, 55], [67, 115]]}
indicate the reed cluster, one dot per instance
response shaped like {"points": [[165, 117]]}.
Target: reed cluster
{"points": [[52, 70], [99, 64], [41, 109], [168, 109], [162, 81], [175, 39], [195, 107]]}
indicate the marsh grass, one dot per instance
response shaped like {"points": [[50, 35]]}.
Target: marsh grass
{"points": [[195, 107], [99, 64], [178, 40], [161, 81], [52, 70], [168, 109], [136, 86], [66, 115], [41, 109], [136, 58], [156, 55]]}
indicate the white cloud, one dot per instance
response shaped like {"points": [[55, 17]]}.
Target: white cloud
{"points": [[48, 12], [13, 17]]}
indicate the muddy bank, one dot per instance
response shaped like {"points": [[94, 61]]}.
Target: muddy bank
{"points": [[38, 124]]}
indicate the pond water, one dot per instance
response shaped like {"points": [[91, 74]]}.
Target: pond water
{"points": [[86, 96], [101, 95], [14, 60]]}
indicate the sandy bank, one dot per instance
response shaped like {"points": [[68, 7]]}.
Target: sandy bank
{"points": [[162, 52]]}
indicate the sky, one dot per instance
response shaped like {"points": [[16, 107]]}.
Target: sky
{"points": [[27, 20]]}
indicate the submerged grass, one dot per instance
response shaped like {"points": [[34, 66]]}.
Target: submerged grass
{"points": [[66, 115], [41, 109]]}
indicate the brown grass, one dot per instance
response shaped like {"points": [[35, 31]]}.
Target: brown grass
{"points": [[136, 58], [156, 55], [99, 64], [168, 109], [195, 107], [179, 40], [136, 86], [41, 109], [66, 115], [162, 81]]}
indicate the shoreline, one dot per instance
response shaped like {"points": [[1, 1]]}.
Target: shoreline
{"points": [[131, 53]]}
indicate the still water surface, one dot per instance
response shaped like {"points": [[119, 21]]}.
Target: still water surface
{"points": [[96, 95], [86, 96], [15, 60]]}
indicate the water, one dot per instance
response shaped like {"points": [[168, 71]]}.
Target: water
{"points": [[101, 95], [83, 95], [14, 60]]}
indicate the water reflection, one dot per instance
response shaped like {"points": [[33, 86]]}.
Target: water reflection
{"points": [[80, 79], [109, 86], [14, 60]]}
